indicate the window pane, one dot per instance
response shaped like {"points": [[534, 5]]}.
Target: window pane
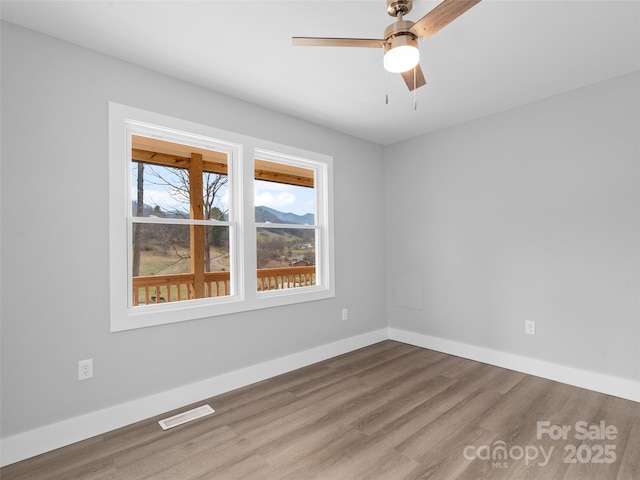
{"points": [[286, 258], [163, 174], [217, 271], [161, 249], [162, 270], [217, 255], [164, 191], [280, 203], [284, 193], [215, 193]]}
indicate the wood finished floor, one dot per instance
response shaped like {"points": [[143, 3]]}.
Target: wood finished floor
{"points": [[388, 411]]}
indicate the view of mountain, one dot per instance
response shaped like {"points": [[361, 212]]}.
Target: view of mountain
{"points": [[263, 215], [266, 214]]}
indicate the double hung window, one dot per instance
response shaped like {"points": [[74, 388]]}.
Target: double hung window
{"points": [[205, 222]]}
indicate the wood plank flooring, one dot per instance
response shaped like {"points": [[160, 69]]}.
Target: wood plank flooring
{"points": [[388, 411]]}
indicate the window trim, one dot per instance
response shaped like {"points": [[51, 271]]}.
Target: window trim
{"points": [[243, 150]]}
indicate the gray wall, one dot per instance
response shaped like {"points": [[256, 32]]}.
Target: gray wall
{"points": [[54, 239], [531, 214]]}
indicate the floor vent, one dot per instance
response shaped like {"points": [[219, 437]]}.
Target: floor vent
{"points": [[185, 417]]}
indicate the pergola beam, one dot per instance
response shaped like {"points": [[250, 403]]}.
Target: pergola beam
{"points": [[176, 161]]}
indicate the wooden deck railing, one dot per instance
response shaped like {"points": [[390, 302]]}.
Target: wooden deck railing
{"points": [[173, 288], [288, 277]]}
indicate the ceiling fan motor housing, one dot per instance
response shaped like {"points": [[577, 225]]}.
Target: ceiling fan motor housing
{"points": [[399, 41], [400, 30], [401, 27]]}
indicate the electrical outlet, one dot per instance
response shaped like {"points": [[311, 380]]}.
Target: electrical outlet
{"points": [[85, 369], [529, 327], [345, 314]]}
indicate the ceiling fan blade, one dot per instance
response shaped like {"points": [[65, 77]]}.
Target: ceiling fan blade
{"points": [[438, 18], [336, 42], [408, 77]]}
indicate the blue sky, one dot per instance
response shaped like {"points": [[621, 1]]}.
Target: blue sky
{"points": [[285, 198]]}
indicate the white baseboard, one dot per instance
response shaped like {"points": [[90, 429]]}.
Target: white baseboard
{"points": [[44, 439], [34, 442], [618, 387]]}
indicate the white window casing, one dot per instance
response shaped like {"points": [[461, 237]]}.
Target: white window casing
{"points": [[241, 151]]}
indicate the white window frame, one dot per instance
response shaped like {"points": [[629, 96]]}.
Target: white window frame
{"points": [[242, 150], [320, 215]]}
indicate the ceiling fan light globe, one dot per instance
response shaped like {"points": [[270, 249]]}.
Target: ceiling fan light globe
{"points": [[401, 58]]}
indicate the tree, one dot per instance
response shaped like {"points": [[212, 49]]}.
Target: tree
{"points": [[137, 228], [177, 180], [218, 235]]}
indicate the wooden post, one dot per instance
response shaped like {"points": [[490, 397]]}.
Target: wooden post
{"points": [[197, 231]]}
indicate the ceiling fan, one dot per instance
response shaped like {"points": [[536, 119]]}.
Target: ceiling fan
{"points": [[400, 41]]}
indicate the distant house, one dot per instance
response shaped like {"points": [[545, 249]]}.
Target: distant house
{"points": [[300, 262]]}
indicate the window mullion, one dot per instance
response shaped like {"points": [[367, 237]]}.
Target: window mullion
{"points": [[249, 230]]}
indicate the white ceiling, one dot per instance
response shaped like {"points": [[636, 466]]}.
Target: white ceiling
{"points": [[498, 55]]}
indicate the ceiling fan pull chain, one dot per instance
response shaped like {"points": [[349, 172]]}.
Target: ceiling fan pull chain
{"points": [[386, 87]]}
